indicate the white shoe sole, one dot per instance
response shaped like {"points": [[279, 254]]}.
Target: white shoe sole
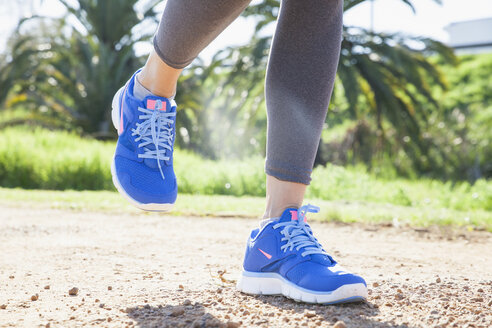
{"points": [[156, 207], [274, 284]]}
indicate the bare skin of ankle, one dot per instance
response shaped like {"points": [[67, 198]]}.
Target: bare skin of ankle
{"points": [[281, 195], [158, 77]]}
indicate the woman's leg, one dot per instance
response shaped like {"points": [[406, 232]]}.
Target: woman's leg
{"points": [[284, 257], [186, 28], [299, 82], [142, 167]]}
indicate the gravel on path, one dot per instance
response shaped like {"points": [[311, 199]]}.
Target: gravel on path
{"points": [[71, 269]]}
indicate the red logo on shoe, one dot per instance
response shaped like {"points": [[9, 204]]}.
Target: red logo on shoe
{"points": [[268, 256], [293, 216], [154, 104], [151, 104]]}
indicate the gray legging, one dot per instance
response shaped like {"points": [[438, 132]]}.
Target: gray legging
{"points": [[300, 73]]}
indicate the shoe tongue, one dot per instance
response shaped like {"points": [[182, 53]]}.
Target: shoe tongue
{"points": [[157, 103], [291, 214]]}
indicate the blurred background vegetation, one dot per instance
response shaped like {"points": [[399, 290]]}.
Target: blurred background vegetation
{"points": [[409, 121]]}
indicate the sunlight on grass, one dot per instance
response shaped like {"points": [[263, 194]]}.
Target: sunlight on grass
{"points": [[225, 206]]}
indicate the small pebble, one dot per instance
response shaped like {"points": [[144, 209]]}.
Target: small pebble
{"points": [[110, 288], [309, 314], [73, 292], [375, 284], [3, 306], [47, 287], [231, 324], [340, 324], [438, 280], [34, 297], [187, 302], [177, 311]]}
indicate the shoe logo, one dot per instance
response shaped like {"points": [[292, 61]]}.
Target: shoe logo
{"points": [[268, 256], [294, 217], [156, 104]]}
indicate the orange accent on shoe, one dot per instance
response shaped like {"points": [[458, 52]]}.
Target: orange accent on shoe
{"points": [[121, 110], [268, 256]]}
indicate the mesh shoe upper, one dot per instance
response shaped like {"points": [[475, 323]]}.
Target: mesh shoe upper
{"points": [[144, 152], [288, 247]]}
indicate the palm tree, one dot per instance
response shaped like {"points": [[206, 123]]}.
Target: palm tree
{"points": [[80, 60]]}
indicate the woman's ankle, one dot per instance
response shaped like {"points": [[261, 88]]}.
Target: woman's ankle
{"points": [[158, 77], [281, 195]]}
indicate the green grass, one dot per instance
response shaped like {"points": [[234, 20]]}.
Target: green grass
{"points": [[230, 206], [42, 159]]}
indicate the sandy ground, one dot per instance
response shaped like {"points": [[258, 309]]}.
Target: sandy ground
{"points": [[159, 271]]}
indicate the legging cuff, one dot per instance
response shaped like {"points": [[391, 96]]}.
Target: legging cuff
{"points": [[166, 60], [288, 173]]}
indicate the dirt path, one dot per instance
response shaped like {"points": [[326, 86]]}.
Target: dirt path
{"points": [[158, 271]]}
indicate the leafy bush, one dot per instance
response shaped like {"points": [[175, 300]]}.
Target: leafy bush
{"points": [[53, 160], [43, 159]]}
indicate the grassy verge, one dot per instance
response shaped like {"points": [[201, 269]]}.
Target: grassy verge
{"points": [[223, 205], [42, 159]]}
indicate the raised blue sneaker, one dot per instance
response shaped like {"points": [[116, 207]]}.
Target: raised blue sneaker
{"points": [[142, 166], [284, 258]]}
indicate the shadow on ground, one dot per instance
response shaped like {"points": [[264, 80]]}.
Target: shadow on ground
{"points": [[169, 316], [234, 309], [360, 314]]}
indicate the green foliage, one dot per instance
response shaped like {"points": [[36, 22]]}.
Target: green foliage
{"points": [[60, 160], [53, 160], [253, 207], [71, 67], [468, 114], [390, 110], [457, 131]]}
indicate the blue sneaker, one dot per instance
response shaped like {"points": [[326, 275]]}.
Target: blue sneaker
{"points": [[285, 258], [142, 167]]}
